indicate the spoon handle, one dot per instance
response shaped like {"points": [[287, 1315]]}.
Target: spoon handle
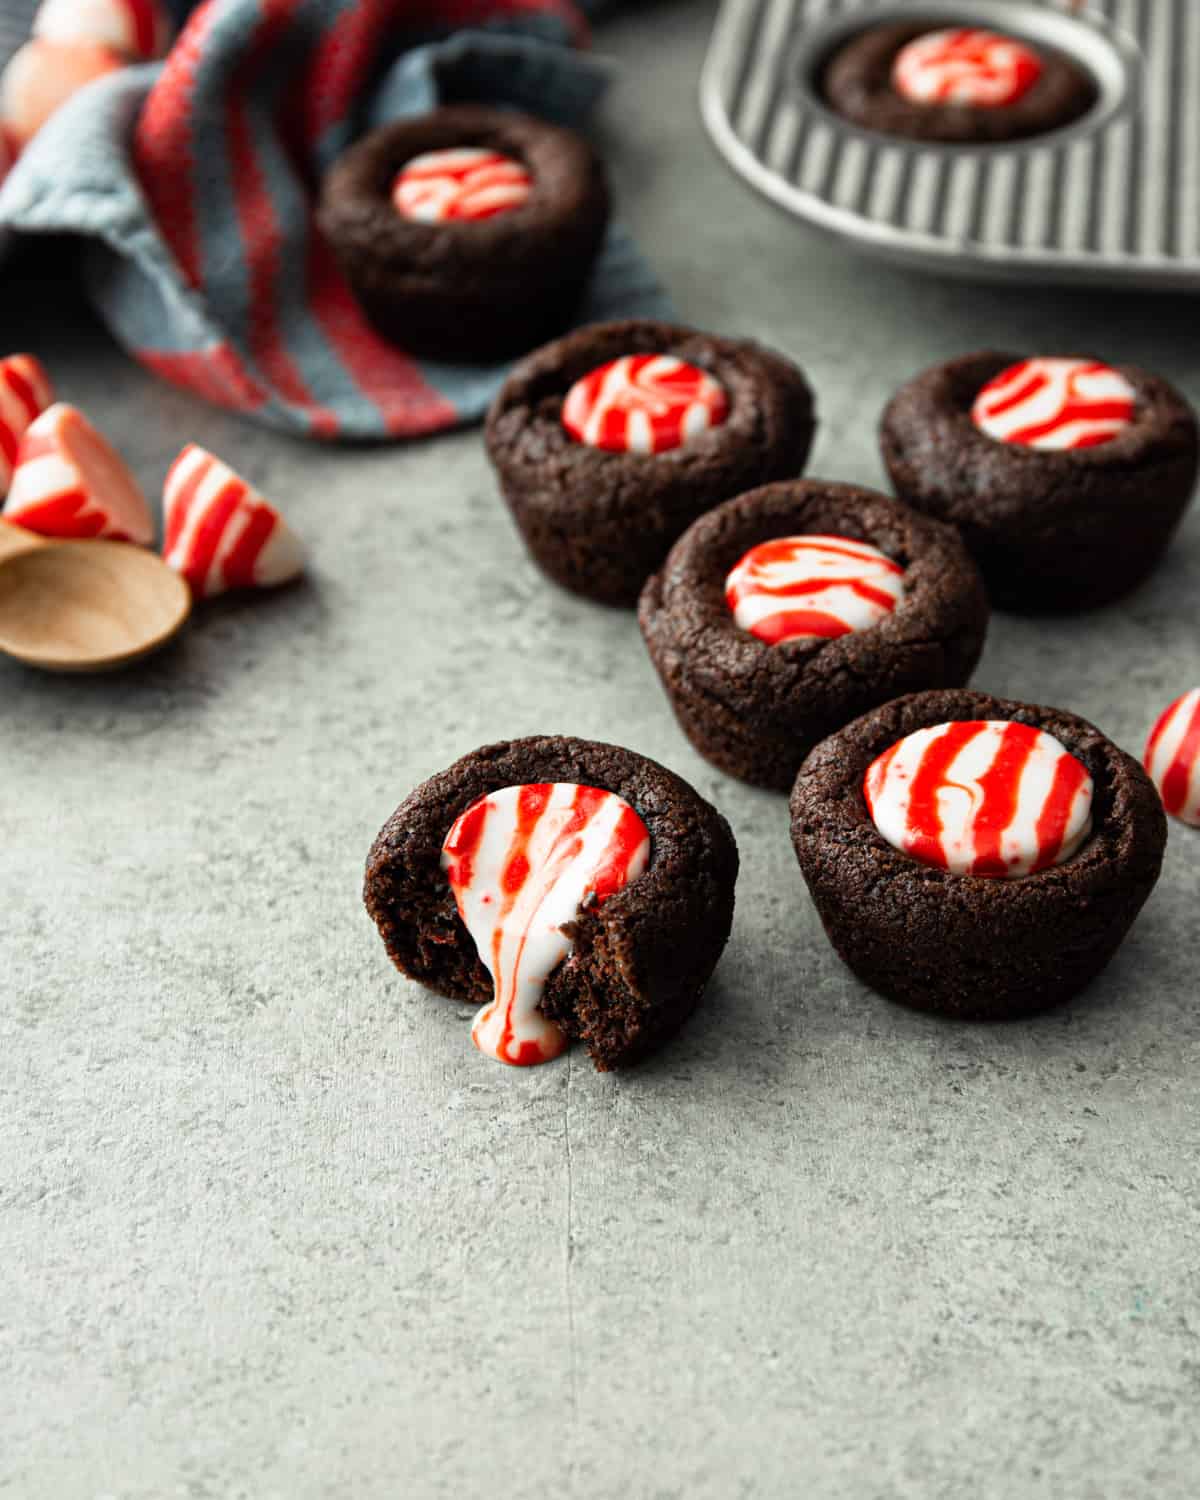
{"points": [[15, 539]]}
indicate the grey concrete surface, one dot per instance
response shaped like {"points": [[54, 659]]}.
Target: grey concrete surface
{"points": [[270, 1228]]}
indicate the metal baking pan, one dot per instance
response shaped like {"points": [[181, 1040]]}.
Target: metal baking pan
{"points": [[1113, 197]]}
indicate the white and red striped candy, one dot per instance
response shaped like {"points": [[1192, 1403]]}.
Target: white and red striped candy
{"points": [[643, 403], [139, 29], [522, 862], [1172, 758], [71, 482], [981, 797], [220, 533], [804, 587], [40, 77], [965, 65], [465, 182], [1055, 404], [25, 393]]}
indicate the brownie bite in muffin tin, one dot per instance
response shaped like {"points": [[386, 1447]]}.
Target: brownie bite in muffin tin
{"points": [[786, 612], [608, 444], [973, 856], [573, 890], [957, 84], [1065, 476], [467, 233]]}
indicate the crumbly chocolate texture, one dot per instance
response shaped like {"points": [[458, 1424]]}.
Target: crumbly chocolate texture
{"points": [[599, 522], [1052, 531], [963, 945], [756, 710], [640, 961], [857, 83], [477, 289]]}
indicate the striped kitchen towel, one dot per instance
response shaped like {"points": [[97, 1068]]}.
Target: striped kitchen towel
{"points": [[192, 184]]}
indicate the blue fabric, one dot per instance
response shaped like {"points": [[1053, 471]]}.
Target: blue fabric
{"points": [[78, 177]]}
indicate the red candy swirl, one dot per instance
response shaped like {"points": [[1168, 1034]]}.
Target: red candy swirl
{"points": [[1055, 404], [467, 182], [965, 65], [522, 862], [1172, 757], [643, 403], [804, 587], [981, 797]]}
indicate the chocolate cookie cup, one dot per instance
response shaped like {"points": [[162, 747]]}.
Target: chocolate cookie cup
{"points": [[638, 961], [598, 522], [1052, 531], [858, 83], [965, 945], [468, 289], [755, 710]]}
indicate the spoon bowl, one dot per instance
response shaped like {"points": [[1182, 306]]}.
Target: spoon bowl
{"points": [[85, 606]]}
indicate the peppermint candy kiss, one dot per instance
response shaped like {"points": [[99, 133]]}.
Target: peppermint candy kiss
{"points": [[139, 29], [468, 182], [220, 533], [40, 77], [70, 482], [643, 403], [804, 587], [1172, 758], [1055, 404], [965, 65], [522, 862], [25, 393], [981, 797]]}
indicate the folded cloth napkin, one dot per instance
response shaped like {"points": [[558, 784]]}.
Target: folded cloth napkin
{"points": [[193, 184]]}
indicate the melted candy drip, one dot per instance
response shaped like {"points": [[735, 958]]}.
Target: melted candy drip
{"points": [[981, 797], [522, 862]]}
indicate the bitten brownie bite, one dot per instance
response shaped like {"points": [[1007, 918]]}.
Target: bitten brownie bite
{"points": [[574, 890], [608, 443], [973, 856], [1066, 477], [954, 84], [786, 612], [467, 233]]}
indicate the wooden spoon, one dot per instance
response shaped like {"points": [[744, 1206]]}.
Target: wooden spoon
{"points": [[85, 606]]}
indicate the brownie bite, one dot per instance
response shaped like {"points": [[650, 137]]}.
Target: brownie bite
{"points": [[611, 441], [467, 233], [788, 611], [956, 84], [1066, 477], [574, 890], [973, 856]]}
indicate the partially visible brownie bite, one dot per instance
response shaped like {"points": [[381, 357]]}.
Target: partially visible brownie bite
{"points": [[974, 856], [1066, 477], [786, 612], [467, 233], [574, 890], [956, 84], [609, 442]]}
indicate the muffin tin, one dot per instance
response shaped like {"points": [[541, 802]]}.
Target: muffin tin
{"points": [[1113, 197]]}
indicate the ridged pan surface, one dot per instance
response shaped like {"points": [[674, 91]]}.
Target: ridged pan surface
{"points": [[1113, 197]]}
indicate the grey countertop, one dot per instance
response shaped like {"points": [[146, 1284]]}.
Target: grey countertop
{"points": [[271, 1228]]}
